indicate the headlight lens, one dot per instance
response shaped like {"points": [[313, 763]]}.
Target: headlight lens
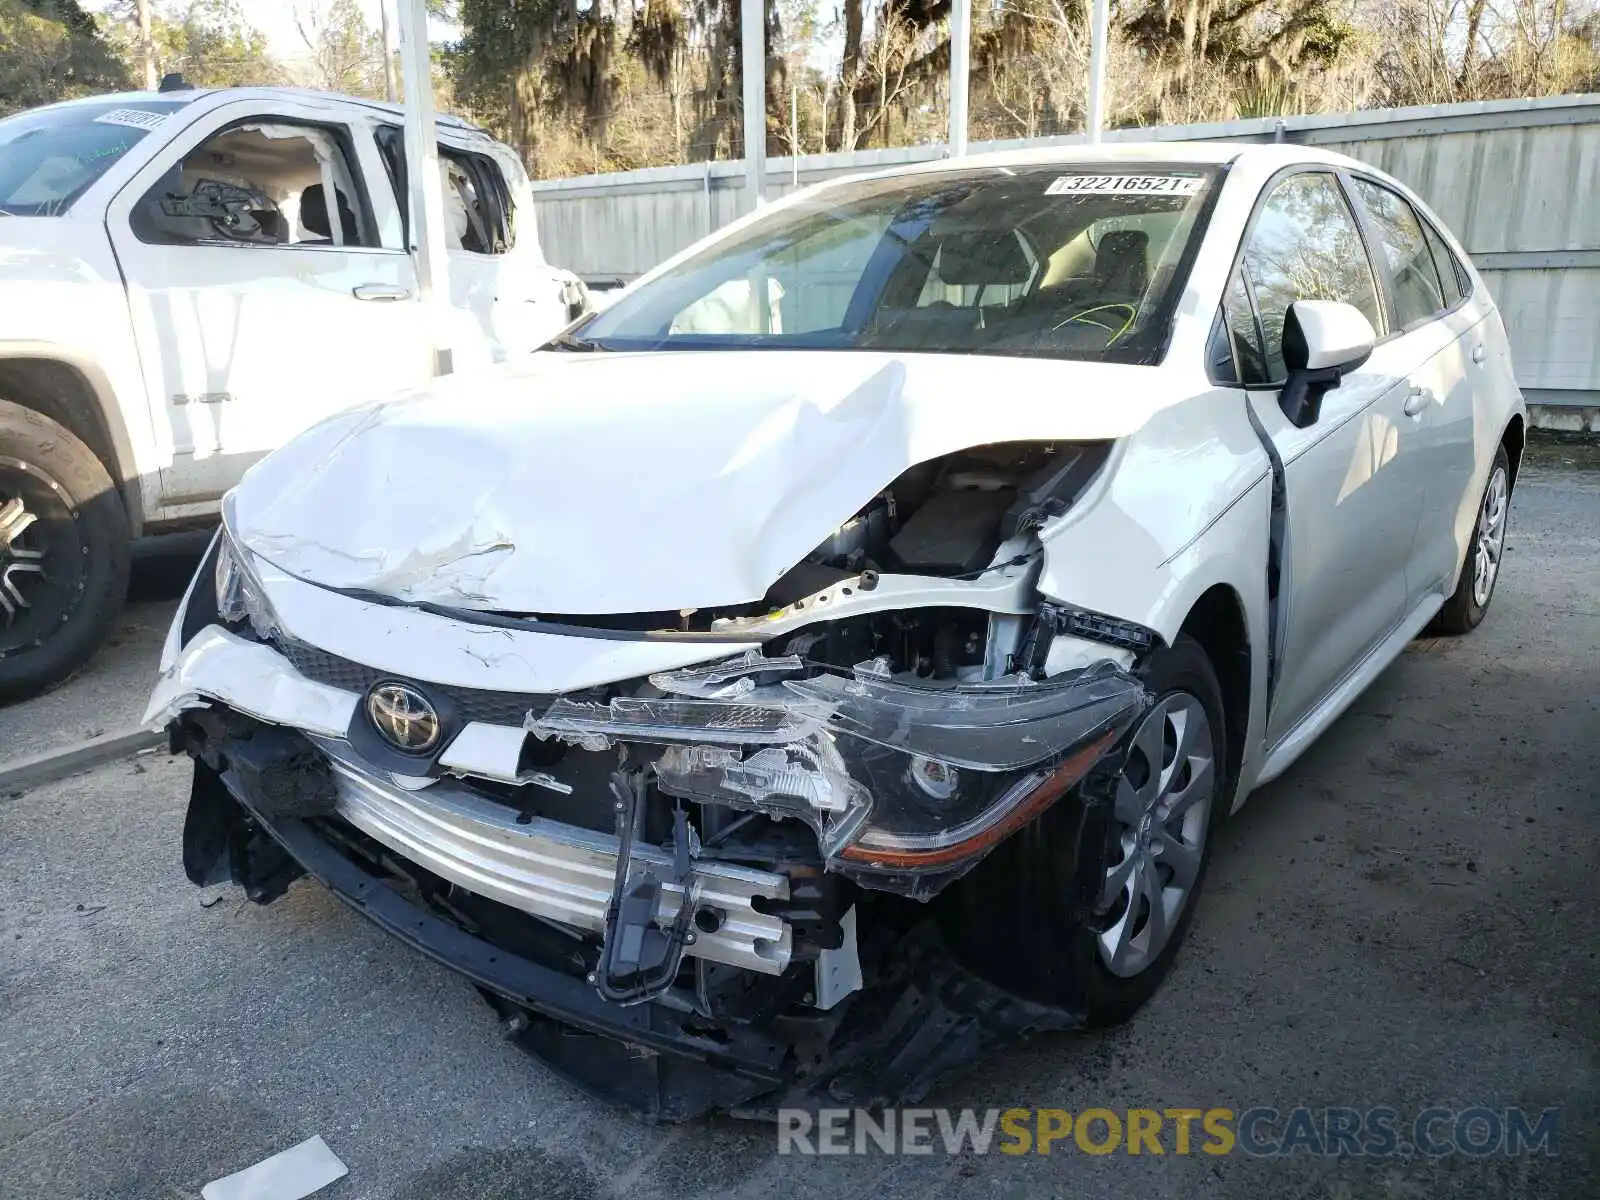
{"points": [[230, 584], [240, 596], [905, 784]]}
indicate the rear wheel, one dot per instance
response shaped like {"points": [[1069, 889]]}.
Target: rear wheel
{"points": [[64, 552], [1463, 612]]}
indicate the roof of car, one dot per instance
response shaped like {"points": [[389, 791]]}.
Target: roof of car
{"points": [[189, 95], [1167, 153]]}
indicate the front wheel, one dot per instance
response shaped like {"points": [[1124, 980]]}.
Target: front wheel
{"points": [[1172, 794], [1019, 918], [1463, 612], [64, 553]]}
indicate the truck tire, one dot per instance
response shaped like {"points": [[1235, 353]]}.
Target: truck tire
{"points": [[64, 553]]}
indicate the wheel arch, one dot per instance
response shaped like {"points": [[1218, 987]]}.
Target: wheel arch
{"points": [[77, 396], [1514, 439], [1217, 621]]}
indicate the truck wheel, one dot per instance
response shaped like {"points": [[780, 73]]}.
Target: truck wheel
{"points": [[64, 553]]}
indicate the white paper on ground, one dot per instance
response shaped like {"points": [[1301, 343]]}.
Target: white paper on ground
{"points": [[291, 1175]]}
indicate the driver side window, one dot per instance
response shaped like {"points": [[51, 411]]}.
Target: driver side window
{"points": [[1305, 245], [261, 182]]}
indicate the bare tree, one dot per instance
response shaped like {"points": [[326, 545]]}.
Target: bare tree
{"points": [[1436, 51], [896, 44], [346, 52]]}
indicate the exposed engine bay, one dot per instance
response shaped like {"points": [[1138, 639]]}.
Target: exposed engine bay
{"points": [[947, 518]]}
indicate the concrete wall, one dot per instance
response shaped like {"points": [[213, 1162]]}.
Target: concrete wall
{"points": [[1517, 181]]}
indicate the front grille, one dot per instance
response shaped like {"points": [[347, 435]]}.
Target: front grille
{"points": [[473, 704]]}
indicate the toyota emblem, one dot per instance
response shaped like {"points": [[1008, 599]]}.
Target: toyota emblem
{"points": [[403, 717]]}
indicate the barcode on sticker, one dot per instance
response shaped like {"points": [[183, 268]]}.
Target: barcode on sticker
{"points": [[133, 118], [1125, 185]]}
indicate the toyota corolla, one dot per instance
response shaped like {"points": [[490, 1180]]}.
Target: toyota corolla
{"points": [[836, 659]]}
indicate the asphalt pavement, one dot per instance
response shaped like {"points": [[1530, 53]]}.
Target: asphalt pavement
{"points": [[1405, 919]]}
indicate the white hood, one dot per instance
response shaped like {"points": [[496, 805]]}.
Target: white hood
{"points": [[607, 483]]}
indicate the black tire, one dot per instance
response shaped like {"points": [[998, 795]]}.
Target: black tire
{"points": [[74, 592], [1182, 667], [1462, 613], [1013, 919]]}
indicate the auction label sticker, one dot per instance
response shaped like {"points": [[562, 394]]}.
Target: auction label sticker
{"points": [[1125, 185], [133, 118]]}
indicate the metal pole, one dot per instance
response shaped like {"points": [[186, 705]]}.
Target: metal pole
{"points": [[390, 91], [426, 188], [1099, 33], [711, 221], [794, 135], [753, 56], [960, 72], [147, 49]]}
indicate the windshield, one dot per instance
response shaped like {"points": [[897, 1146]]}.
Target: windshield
{"points": [[1080, 262], [50, 156]]}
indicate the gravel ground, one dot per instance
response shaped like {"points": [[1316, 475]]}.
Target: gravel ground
{"points": [[1398, 921]]}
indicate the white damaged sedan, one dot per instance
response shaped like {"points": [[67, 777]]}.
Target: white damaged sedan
{"points": [[836, 658]]}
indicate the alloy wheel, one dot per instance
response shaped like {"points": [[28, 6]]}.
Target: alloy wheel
{"points": [[1163, 812], [18, 560], [1491, 537], [42, 557]]}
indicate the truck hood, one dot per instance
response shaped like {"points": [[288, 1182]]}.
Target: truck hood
{"points": [[38, 250], [621, 483]]}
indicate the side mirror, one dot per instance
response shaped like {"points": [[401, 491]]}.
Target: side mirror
{"points": [[1322, 341]]}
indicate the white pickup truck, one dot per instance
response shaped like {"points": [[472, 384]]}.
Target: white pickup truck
{"points": [[187, 279]]}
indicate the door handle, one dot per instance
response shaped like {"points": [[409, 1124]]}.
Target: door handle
{"points": [[380, 291], [1478, 355], [1419, 399]]}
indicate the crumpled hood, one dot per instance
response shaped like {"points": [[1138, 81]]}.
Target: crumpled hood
{"points": [[618, 483]]}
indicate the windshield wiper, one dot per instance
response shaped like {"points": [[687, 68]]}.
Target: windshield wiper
{"points": [[571, 341]]}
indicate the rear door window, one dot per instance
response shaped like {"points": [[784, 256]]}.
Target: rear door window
{"points": [[1418, 295], [479, 212], [1452, 275]]}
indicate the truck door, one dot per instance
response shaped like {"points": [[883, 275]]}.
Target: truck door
{"points": [[505, 300], [268, 284]]}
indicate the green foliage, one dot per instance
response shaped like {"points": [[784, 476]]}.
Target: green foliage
{"points": [[50, 50], [209, 41]]}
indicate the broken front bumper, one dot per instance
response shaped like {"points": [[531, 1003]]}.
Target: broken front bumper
{"points": [[555, 871], [268, 806], [570, 926], [906, 787], [262, 812]]}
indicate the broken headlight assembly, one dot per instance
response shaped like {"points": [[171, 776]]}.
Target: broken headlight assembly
{"points": [[240, 596], [907, 785]]}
